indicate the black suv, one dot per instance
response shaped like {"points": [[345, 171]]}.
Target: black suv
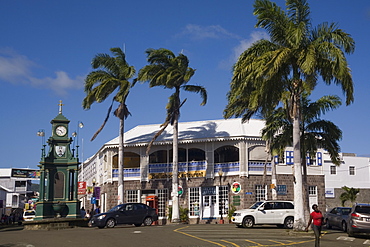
{"points": [[359, 219], [128, 213]]}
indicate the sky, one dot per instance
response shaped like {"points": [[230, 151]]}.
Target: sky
{"points": [[46, 48]]}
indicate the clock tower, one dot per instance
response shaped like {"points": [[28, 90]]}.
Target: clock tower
{"points": [[59, 174]]}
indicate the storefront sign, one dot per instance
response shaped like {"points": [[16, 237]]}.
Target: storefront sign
{"points": [[195, 174], [329, 193], [81, 188], [23, 173], [236, 187], [208, 191]]}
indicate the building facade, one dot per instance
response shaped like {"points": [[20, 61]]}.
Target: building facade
{"points": [[16, 187], [353, 172], [222, 164]]}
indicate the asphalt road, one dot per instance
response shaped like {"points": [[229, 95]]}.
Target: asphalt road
{"points": [[174, 236]]}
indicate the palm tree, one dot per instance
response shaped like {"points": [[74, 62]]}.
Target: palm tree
{"points": [[111, 76], [315, 133], [292, 61], [350, 194], [172, 72]]}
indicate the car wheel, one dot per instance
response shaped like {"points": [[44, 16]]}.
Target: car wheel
{"points": [[350, 233], [110, 223], [248, 222], [289, 222], [137, 225], [344, 226], [148, 221], [328, 224]]}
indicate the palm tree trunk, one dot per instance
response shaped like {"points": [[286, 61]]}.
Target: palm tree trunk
{"points": [[175, 171], [273, 179], [299, 221], [121, 191]]}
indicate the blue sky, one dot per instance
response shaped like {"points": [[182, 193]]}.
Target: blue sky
{"points": [[46, 48]]}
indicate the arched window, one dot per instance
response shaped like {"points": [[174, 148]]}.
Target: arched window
{"points": [[181, 155], [131, 160], [226, 154], [59, 185], [115, 161], [196, 154], [159, 156]]}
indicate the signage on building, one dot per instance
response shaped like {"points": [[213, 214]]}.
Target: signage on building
{"points": [[180, 191], [81, 188], [97, 193], [208, 191], [26, 173], [163, 175], [236, 187], [329, 193]]}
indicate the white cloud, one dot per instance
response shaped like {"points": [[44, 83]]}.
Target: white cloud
{"points": [[16, 68], [198, 32]]}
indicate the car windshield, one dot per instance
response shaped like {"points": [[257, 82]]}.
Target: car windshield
{"points": [[256, 205], [116, 208], [363, 209]]}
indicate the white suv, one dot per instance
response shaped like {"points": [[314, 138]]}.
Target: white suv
{"points": [[280, 213]]}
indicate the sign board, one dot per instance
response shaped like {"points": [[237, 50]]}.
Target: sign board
{"points": [[81, 188], [25, 173], [329, 193], [236, 187]]}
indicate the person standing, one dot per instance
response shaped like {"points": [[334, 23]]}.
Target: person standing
{"points": [[317, 220]]}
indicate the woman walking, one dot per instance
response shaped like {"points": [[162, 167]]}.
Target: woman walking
{"points": [[317, 220]]}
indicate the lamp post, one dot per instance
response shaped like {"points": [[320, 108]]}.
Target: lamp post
{"points": [[41, 133], [220, 173]]}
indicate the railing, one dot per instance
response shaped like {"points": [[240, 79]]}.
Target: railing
{"points": [[259, 166], [128, 172], [227, 167]]}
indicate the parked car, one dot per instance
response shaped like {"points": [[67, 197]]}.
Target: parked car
{"points": [[359, 219], [128, 213], [337, 217], [29, 215], [280, 213]]}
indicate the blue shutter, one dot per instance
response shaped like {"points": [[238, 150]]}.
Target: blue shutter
{"points": [[319, 158], [308, 159], [289, 158]]}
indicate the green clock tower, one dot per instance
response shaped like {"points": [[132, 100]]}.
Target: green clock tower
{"points": [[59, 174]]}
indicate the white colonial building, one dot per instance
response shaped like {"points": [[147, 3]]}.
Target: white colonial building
{"points": [[221, 163], [353, 172]]}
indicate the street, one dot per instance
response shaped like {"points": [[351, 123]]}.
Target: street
{"points": [[174, 235]]}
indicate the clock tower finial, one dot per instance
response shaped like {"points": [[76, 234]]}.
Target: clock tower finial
{"points": [[60, 106]]}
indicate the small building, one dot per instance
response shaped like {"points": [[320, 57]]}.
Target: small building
{"points": [[222, 163], [16, 183], [353, 172]]}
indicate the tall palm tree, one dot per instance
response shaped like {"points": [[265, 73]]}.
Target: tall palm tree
{"points": [[172, 72], [111, 76], [293, 60], [315, 133], [349, 194]]}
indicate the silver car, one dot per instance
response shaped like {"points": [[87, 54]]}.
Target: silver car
{"points": [[359, 219], [337, 217]]}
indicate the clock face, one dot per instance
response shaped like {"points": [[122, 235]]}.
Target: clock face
{"points": [[60, 130]]}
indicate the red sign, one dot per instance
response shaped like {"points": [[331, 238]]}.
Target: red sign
{"points": [[81, 188]]}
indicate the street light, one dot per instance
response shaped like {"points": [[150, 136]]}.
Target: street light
{"points": [[41, 133], [220, 173]]}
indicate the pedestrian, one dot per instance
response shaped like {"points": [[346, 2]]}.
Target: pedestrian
{"points": [[97, 210], [317, 220], [87, 215], [82, 212]]}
